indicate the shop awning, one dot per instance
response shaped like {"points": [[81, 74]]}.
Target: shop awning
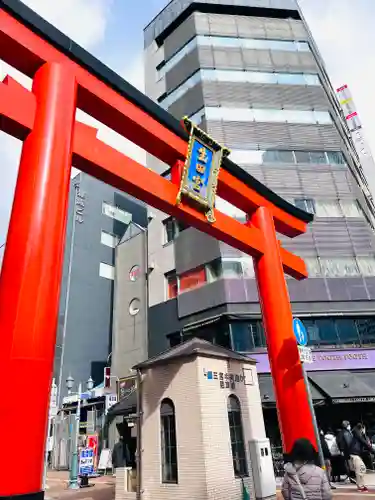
{"points": [[345, 386], [268, 395], [125, 406]]}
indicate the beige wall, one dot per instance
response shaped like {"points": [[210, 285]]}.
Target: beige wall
{"points": [[204, 451]]}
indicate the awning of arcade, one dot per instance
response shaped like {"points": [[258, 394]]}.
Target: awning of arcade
{"points": [[268, 396], [346, 386]]}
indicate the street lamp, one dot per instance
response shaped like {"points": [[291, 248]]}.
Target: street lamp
{"points": [[90, 384], [73, 477]]}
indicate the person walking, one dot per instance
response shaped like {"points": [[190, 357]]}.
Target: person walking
{"points": [[367, 454], [335, 455], [327, 457], [120, 454], [344, 440], [303, 479], [358, 445]]}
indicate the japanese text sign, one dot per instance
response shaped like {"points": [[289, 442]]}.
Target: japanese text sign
{"points": [[201, 169]]}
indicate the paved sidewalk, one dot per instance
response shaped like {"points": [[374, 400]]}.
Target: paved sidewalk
{"points": [[345, 491], [101, 488]]}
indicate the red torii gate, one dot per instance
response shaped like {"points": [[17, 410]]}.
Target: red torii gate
{"points": [[66, 77]]}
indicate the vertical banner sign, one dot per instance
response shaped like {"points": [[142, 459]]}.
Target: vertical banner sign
{"points": [[201, 169], [92, 444]]}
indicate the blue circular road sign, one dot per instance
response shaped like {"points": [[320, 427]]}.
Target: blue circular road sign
{"points": [[300, 331]]}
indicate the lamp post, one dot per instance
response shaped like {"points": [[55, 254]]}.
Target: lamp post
{"points": [[73, 477]]}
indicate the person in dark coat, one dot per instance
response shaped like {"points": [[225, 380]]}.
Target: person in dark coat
{"points": [[367, 453], [358, 445], [344, 440], [120, 454]]}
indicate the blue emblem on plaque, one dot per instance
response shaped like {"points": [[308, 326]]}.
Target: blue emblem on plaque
{"points": [[201, 170]]}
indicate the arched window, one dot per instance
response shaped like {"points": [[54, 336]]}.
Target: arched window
{"points": [[168, 442], [236, 437]]}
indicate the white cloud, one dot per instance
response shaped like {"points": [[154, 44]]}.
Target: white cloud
{"points": [[82, 20], [85, 22], [135, 73], [344, 32]]}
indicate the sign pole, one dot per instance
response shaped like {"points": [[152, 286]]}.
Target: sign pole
{"points": [[51, 414], [315, 423]]}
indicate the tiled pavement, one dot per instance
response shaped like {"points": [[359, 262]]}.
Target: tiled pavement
{"points": [[347, 491], [103, 488]]}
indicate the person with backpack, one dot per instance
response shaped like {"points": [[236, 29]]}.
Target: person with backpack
{"points": [[335, 454], [327, 457], [303, 479]]}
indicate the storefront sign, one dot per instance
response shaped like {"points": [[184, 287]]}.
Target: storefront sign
{"points": [[86, 462], [305, 354], [368, 399], [125, 387], [228, 380], [350, 359], [110, 400]]}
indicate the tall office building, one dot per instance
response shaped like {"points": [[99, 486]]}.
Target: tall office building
{"points": [[249, 72], [98, 218]]}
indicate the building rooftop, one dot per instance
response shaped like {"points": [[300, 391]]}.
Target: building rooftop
{"points": [[177, 10], [191, 348]]}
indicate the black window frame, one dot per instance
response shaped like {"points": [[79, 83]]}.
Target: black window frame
{"points": [[168, 442], [240, 465]]}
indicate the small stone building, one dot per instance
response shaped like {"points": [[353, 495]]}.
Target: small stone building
{"points": [[200, 410]]}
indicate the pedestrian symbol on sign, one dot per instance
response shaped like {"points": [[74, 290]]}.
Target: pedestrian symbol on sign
{"points": [[300, 331]]}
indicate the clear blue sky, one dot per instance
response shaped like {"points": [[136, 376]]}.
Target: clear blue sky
{"points": [[113, 31]]}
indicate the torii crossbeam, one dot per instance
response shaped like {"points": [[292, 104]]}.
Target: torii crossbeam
{"points": [[65, 78]]}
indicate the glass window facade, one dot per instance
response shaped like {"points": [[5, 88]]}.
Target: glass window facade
{"points": [[306, 204], [192, 279], [212, 75], [243, 268], [248, 336], [340, 267], [330, 208], [268, 115], [172, 285], [259, 157], [231, 42]]}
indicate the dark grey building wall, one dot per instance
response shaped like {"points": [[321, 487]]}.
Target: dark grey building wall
{"points": [[129, 330], [84, 350]]}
